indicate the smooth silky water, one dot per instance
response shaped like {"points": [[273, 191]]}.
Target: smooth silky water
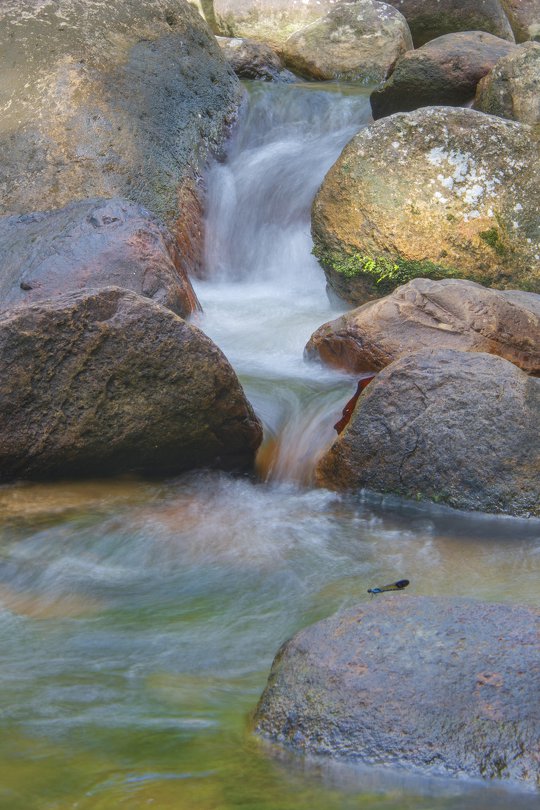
{"points": [[139, 620]]}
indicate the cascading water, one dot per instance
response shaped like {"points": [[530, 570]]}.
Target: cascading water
{"points": [[138, 620]]}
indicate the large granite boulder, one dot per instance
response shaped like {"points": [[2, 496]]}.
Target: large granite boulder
{"points": [[106, 382], [437, 684], [444, 71], [355, 41], [103, 100], [512, 88], [269, 21], [426, 314], [89, 244], [254, 60], [439, 192], [429, 19], [524, 17], [455, 427]]}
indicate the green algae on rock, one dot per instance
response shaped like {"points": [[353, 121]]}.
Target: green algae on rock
{"points": [[417, 190]]}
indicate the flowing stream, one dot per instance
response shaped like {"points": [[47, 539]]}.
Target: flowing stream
{"points": [[138, 620]]}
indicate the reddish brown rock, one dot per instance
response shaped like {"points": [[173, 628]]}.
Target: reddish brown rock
{"points": [[425, 314], [92, 244], [459, 428], [444, 71], [107, 382], [437, 684]]}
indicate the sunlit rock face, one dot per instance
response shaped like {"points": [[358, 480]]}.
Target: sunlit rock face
{"points": [[444, 71], [512, 88], [254, 60], [103, 101], [106, 382], [357, 41], [429, 19], [437, 684], [439, 192], [426, 314], [455, 427], [89, 244]]}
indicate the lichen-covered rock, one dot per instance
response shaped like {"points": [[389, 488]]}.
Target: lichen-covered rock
{"points": [[444, 71], [425, 314], [512, 88], [439, 192], [456, 427], [443, 685], [106, 382], [89, 244], [269, 21], [429, 19], [254, 60], [102, 100], [524, 17], [356, 41]]}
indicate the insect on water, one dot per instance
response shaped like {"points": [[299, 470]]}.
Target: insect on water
{"points": [[394, 586]]}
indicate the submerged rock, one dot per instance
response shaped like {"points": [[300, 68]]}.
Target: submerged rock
{"points": [[439, 192], [443, 685], [455, 427], [524, 16], [425, 314], [429, 19], [254, 60], [89, 244], [512, 88], [107, 382], [357, 41], [444, 71], [102, 100]]}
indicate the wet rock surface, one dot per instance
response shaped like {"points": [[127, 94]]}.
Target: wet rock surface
{"points": [[439, 192], [359, 41], [107, 382], [440, 684], [444, 71], [429, 19], [425, 314], [90, 244], [455, 427], [512, 88], [254, 60], [102, 102]]}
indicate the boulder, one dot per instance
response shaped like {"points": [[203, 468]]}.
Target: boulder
{"points": [[524, 17], [429, 19], [439, 192], [107, 382], [254, 60], [447, 686], [444, 71], [269, 21], [512, 88], [455, 427], [89, 244], [103, 101], [356, 41], [426, 314]]}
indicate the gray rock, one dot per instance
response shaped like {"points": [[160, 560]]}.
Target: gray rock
{"points": [[104, 100], [459, 428], [355, 41], [425, 314], [90, 244], [512, 88], [254, 60], [429, 19], [444, 71], [442, 685], [107, 382]]}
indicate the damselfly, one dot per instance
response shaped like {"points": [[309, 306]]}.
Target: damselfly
{"points": [[394, 586]]}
